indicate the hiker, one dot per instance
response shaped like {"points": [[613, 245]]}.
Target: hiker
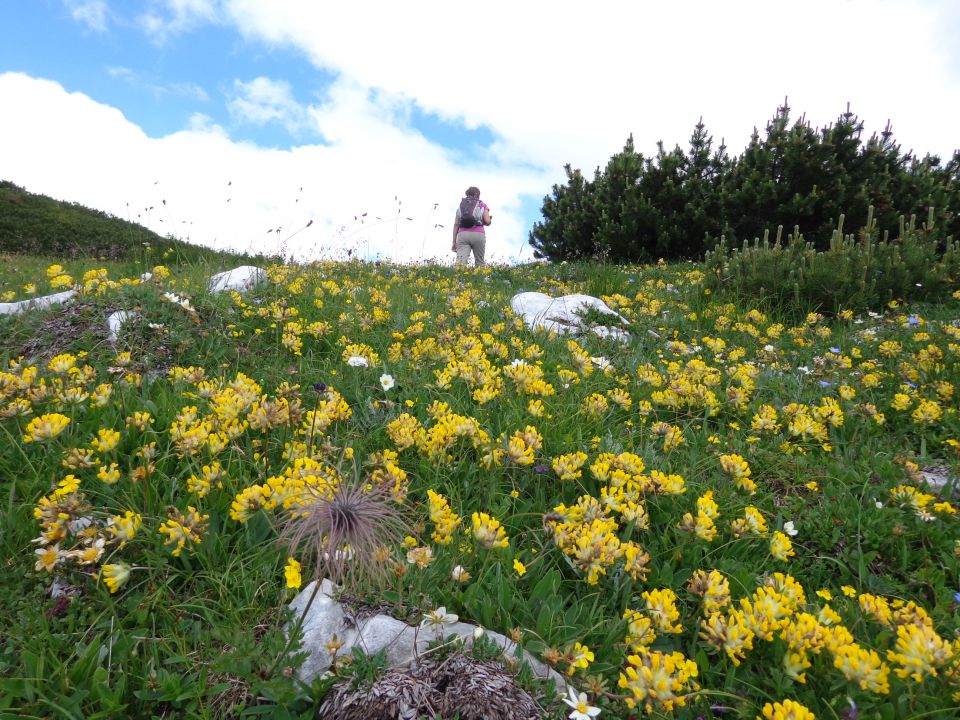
{"points": [[468, 228]]}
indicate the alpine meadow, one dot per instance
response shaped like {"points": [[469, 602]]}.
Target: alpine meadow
{"points": [[731, 496]]}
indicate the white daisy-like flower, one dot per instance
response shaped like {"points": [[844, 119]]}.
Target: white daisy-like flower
{"points": [[789, 528], [357, 361], [438, 618], [386, 381], [601, 362], [581, 709]]}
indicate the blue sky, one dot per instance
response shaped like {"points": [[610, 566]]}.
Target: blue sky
{"points": [[160, 86], [320, 111]]}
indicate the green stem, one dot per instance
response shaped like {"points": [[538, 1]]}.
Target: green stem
{"points": [[295, 631]]}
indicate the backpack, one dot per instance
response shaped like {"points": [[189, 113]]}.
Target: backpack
{"points": [[470, 212]]}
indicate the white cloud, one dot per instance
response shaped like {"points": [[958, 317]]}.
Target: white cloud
{"points": [[92, 13], [167, 18], [263, 100], [223, 193], [118, 71], [188, 90], [562, 83]]}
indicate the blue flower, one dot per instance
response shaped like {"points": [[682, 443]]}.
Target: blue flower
{"points": [[825, 383], [913, 320], [956, 597], [835, 350]]}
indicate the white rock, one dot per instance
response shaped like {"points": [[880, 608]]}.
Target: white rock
{"points": [[36, 303], [115, 320], [239, 279], [938, 477], [403, 643], [564, 314]]}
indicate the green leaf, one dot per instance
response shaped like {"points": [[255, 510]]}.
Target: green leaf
{"points": [[546, 587]]}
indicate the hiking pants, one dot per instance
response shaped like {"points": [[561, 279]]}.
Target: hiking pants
{"points": [[468, 241]]}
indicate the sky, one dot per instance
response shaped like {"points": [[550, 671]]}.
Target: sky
{"points": [[351, 129]]}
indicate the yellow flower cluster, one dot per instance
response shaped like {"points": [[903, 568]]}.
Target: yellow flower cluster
{"points": [[182, 528], [488, 531], [445, 521], [658, 680]]}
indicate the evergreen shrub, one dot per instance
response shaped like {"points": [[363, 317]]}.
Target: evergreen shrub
{"points": [[857, 272]]}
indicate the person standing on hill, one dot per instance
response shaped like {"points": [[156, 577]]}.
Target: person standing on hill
{"points": [[469, 234]]}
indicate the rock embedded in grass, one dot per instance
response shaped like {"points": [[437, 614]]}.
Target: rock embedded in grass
{"points": [[565, 314], [403, 644], [116, 320], [36, 303], [240, 278]]}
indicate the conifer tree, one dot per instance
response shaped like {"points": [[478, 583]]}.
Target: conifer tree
{"points": [[677, 204], [569, 220]]}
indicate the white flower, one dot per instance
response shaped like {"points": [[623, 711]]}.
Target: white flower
{"points": [[803, 369], [81, 523], [357, 361], [769, 348], [517, 362], [789, 529], [581, 710], [438, 618], [182, 302], [601, 362], [386, 382], [458, 572], [478, 633]]}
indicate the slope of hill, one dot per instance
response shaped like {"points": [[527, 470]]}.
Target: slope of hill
{"points": [[38, 225]]}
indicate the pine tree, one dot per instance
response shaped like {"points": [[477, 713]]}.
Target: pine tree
{"points": [[569, 220], [676, 204]]}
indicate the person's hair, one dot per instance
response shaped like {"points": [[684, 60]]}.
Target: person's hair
{"points": [[473, 190]]}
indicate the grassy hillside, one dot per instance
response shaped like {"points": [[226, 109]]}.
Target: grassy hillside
{"points": [[725, 516], [38, 225]]}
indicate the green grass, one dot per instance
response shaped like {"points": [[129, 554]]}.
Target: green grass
{"points": [[201, 634]]}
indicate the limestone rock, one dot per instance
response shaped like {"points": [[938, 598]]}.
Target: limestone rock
{"points": [[564, 314], [36, 303], [116, 320], [939, 479], [403, 643], [240, 278]]}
